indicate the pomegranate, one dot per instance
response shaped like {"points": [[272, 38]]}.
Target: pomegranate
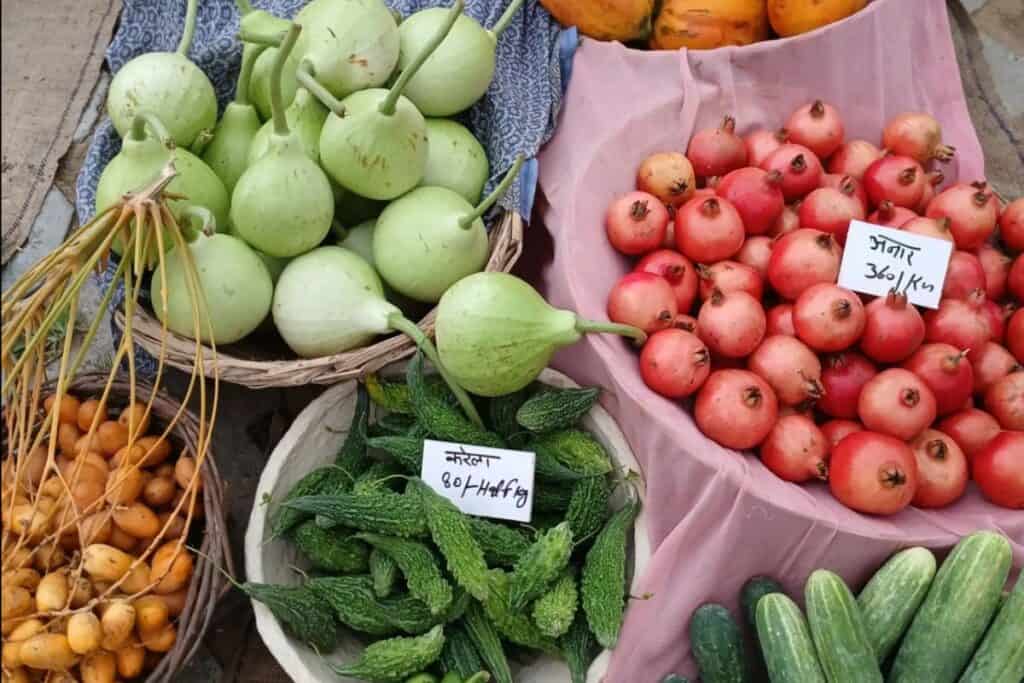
{"points": [[643, 300], [972, 212], [941, 470], [780, 320], [1015, 335], [947, 372], [853, 158], [1005, 400], [762, 143], [836, 430], [800, 168], [735, 408], [896, 402], [796, 450], [996, 265], [674, 363], [716, 151], [757, 196], [831, 210], [873, 473], [1011, 224], [899, 179], [789, 220], [636, 223], [730, 276], [916, 135], [929, 227], [828, 318], [818, 127], [847, 184], [963, 275], [998, 468], [668, 176], [843, 376], [685, 322], [991, 363], [961, 323], [677, 269], [708, 230], [971, 428], [756, 252], [891, 216], [790, 368], [893, 329], [731, 324], [801, 259], [996, 316], [1015, 278], [931, 187]]}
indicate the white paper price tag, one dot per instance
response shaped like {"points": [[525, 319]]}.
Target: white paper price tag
{"points": [[877, 260], [487, 482]]}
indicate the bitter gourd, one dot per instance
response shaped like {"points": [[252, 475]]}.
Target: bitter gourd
{"points": [[575, 450], [588, 507], [319, 481], [604, 575], [391, 396], [554, 611], [439, 416], [302, 612], [393, 660], [502, 545], [383, 572], [352, 456], [552, 498], [540, 566], [513, 625], [411, 615], [502, 413], [407, 451], [378, 476], [451, 534], [552, 408], [378, 511], [394, 424], [331, 550], [579, 647], [459, 656], [422, 575], [353, 602], [487, 643]]}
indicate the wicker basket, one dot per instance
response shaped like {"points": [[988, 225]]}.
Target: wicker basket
{"points": [[208, 584], [259, 367]]}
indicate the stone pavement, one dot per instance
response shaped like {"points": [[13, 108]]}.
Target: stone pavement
{"points": [[989, 37]]}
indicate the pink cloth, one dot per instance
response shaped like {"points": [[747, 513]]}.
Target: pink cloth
{"points": [[717, 517]]}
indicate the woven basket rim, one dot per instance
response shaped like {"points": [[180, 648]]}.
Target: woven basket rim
{"points": [[208, 583], [506, 246]]}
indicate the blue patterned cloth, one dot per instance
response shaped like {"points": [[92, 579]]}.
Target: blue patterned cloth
{"points": [[516, 116]]}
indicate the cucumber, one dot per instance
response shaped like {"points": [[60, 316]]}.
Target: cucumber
{"points": [[717, 645], [891, 598], [953, 617], [1000, 658], [844, 651], [755, 588], [785, 640], [556, 408]]}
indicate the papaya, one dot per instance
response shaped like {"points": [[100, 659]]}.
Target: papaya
{"points": [[792, 17], [622, 20], [707, 24]]}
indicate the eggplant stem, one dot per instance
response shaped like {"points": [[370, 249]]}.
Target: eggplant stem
{"points": [[634, 333], [505, 19], [190, 27], [387, 105], [144, 119], [250, 52], [466, 221], [402, 324], [276, 100], [307, 79]]}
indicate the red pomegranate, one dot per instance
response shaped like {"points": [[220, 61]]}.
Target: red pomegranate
{"points": [[931, 188], [1005, 400], [801, 259], [972, 211], [998, 468], [716, 151], [790, 368], [972, 429], [675, 268], [828, 318], [762, 143], [991, 363], [731, 324], [831, 210], [929, 227], [796, 450], [1015, 335], [780, 320], [1015, 279], [891, 216], [730, 276], [674, 363], [735, 408], [899, 179], [643, 300], [873, 473], [685, 322], [853, 158], [961, 323], [947, 372], [837, 430], [708, 230], [636, 223], [844, 375], [896, 402], [756, 252], [756, 195], [800, 168], [818, 127], [668, 176], [963, 275], [789, 220], [916, 135], [893, 330], [996, 265], [848, 185], [942, 470], [1011, 225]]}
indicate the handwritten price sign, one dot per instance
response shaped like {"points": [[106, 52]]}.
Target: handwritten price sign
{"points": [[878, 260], [487, 482]]}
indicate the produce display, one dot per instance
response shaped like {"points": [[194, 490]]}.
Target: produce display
{"points": [[914, 620], [698, 24], [740, 242], [438, 594]]}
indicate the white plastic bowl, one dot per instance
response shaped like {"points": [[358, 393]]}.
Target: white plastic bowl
{"points": [[313, 440]]}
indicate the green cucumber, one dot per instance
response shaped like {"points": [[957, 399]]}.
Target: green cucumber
{"points": [[1000, 657], [953, 617], [891, 598], [717, 645], [755, 588], [552, 408], [785, 641], [838, 631]]}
